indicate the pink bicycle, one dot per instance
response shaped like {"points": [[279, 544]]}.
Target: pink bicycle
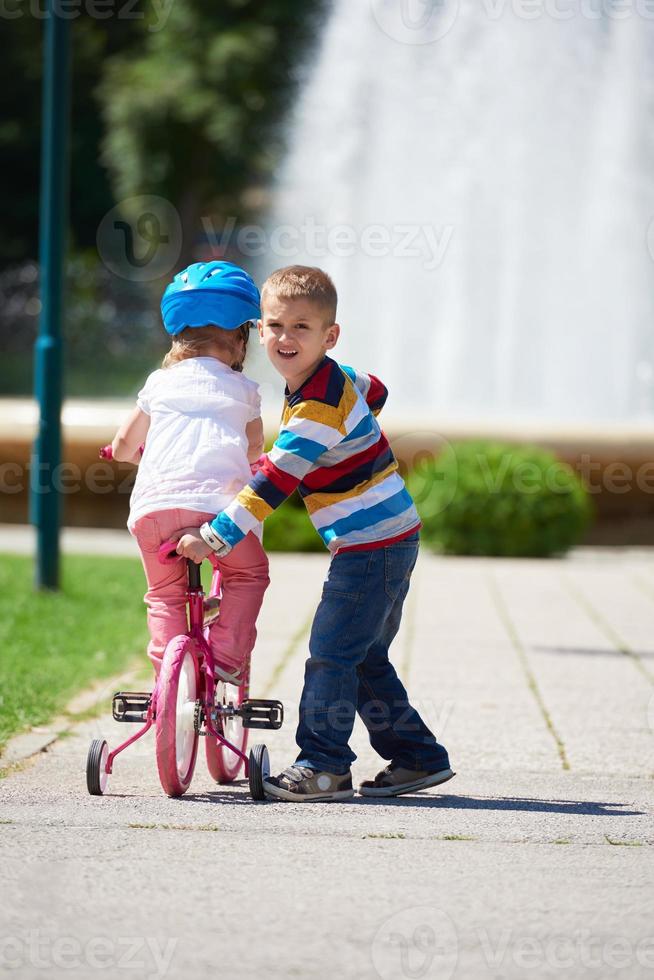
{"points": [[187, 703]]}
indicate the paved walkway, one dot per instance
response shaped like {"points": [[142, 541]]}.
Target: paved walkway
{"points": [[536, 861]]}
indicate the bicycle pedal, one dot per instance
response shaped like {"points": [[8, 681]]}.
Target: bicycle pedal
{"points": [[257, 713], [130, 706]]}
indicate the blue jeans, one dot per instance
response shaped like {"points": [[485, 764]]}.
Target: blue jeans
{"points": [[349, 671]]}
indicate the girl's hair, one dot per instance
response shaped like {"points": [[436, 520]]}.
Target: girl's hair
{"points": [[204, 341]]}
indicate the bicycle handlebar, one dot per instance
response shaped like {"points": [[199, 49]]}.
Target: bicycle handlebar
{"points": [[106, 452]]}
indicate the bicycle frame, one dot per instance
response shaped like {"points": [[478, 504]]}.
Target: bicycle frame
{"points": [[195, 603]]}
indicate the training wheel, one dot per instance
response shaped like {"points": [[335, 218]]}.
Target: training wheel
{"points": [[96, 767], [258, 770]]}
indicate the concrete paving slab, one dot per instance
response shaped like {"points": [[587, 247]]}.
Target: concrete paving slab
{"points": [[518, 867]]}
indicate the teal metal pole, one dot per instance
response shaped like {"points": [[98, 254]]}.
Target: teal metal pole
{"points": [[53, 220]]}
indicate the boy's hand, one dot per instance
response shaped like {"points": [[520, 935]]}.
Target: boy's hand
{"points": [[191, 545]]}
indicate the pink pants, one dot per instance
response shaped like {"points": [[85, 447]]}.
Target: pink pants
{"points": [[244, 580]]}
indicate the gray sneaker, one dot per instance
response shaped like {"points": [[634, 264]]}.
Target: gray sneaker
{"points": [[394, 780], [303, 785]]}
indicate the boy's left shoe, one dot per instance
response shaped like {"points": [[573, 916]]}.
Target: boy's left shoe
{"points": [[394, 780], [303, 785]]}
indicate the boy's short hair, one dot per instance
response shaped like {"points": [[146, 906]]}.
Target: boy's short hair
{"points": [[303, 282]]}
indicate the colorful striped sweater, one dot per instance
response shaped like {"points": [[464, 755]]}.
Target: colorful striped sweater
{"points": [[330, 448]]}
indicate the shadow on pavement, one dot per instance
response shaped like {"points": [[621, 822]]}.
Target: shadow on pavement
{"points": [[592, 651], [579, 807], [240, 795]]}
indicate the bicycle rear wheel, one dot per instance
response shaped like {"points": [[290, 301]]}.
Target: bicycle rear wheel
{"points": [[223, 764], [176, 735]]}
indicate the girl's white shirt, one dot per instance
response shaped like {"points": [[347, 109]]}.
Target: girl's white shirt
{"points": [[195, 454]]}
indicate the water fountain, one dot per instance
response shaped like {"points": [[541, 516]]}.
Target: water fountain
{"points": [[478, 177]]}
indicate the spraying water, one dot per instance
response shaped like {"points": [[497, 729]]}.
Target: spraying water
{"points": [[478, 177]]}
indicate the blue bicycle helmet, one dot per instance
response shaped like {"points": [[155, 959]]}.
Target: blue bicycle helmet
{"points": [[216, 293]]}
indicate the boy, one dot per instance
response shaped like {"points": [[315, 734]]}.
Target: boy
{"points": [[332, 450]]}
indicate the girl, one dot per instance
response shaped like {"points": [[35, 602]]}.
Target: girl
{"points": [[200, 420]]}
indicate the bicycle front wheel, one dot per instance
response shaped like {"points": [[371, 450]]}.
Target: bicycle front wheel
{"points": [[176, 735]]}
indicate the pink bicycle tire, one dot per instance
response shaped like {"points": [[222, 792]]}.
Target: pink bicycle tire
{"points": [[176, 738], [223, 765]]}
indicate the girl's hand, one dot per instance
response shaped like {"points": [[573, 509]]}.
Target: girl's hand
{"points": [[191, 545], [256, 466]]}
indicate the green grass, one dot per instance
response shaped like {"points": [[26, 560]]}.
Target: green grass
{"points": [[389, 836], [52, 645], [455, 837], [172, 826]]}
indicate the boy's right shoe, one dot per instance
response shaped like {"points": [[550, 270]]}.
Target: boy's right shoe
{"points": [[395, 780], [300, 784]]}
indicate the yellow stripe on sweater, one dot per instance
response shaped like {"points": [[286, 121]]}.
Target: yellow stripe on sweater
{"points": [[252, 502], [333, 416]]}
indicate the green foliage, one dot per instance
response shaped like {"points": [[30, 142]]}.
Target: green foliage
{"points": [[491, 498], [289, 529], [193, 117], [182, 99], [93, 41]]}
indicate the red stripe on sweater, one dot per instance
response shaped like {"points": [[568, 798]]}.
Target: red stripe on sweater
{"points": [[329, 474], [283, 481], [377, 390], [374, 545]]}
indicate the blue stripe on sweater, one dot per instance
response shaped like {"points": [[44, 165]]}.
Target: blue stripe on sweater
{"points": [[364, 428], [228, 530], [368, 516], [308, 449]]}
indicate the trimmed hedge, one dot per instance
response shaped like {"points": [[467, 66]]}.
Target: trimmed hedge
{"points": [[492, 498], [289, 528]]}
